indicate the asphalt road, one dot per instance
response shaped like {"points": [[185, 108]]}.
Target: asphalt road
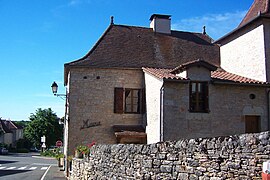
{"points": [[28, 166]]}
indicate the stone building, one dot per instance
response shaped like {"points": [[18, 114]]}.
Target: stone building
{"points": [[144, 85], [10, 132], [106, 87], [246, 50], [198, 99]]}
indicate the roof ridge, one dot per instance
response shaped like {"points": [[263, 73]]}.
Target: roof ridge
{"points": [[172, 30], [94, 47], [257, 8]]}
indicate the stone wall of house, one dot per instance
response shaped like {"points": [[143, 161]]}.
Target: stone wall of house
{"points": [[229, 105], [91, 104], [231, 157], [244, 52]]}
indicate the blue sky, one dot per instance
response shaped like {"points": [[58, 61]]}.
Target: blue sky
{"points": [[38, 37]]}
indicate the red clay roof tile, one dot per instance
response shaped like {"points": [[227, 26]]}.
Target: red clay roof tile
{"points": [[137, 47], [218, 75], [162, 73]]}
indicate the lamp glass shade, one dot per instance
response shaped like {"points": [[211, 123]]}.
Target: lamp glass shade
{"points": [[54, 87]]}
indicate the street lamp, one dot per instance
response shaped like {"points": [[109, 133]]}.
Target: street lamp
{"points": [[55, 88]]}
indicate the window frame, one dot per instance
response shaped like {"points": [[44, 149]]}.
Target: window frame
{"points": [[132, 101], [205, 97], [120, 101]]}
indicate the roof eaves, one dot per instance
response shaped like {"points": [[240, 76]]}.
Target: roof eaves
{"points": [[230, 82], [181, 80]]}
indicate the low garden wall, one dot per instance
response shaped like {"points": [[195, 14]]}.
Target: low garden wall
{"points": [[232, 157]]}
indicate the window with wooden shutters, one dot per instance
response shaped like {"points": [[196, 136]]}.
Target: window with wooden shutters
{"points": [[198, 100], [129, 100]]}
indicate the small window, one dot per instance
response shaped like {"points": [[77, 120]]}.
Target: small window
{"points": [[129, 100], [198, 100]]}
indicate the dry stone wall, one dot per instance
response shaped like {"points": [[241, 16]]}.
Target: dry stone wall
{"points": [[232, 157]]}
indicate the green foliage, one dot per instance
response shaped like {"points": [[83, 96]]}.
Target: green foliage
{"points": [[44, 122], [69, 158], [48, 153], [53, 153], [3, 145], [22, 123], [83, 149], [23, 143], [22, 150]]}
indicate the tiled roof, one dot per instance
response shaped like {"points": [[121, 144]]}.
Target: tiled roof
{"points": [[7, 126], [136, 47], [162, 73], [198, 62], [4, 126], [257, 8], [219, 75], [222, 75]]}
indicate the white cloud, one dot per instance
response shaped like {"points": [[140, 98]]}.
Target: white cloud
{"points": [[217, 25]]}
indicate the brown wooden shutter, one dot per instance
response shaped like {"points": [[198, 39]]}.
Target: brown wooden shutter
{"points": [[206, 97], [190, 96], [118, 100], [143, 101]]}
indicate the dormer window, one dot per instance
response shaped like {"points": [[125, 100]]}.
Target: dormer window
{"points": [[198, 97]]}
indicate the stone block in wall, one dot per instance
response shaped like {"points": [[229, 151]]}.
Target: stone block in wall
{"points": [[156, 163], [182, 176], [193, 177], [165, 169], [172, 157], [161, 156], [147, 163]]}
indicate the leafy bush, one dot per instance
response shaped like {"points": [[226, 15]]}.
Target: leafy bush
{"points": [[83, 149], [23, 143], [52, 153], [48, 153], [22, 150], [3, 145]]}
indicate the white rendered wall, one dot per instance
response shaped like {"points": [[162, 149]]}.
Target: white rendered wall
{"points": [[267, 47], [245, 55], [152, 89]]}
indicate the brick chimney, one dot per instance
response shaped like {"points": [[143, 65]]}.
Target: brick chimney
{"points": [[161, 23]]}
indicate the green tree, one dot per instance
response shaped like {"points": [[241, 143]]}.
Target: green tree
{"points": [[44, 122], [22, 123]]}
